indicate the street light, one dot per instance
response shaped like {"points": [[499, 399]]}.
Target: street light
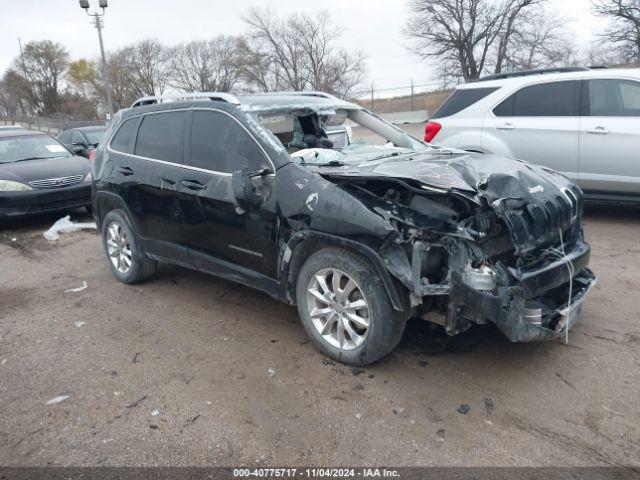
{"points": [[97, 22]]}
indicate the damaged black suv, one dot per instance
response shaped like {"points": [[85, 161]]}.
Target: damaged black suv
{"points": [[360, 237]]}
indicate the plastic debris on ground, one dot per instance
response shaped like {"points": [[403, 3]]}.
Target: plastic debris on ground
{"points": [[79, 323], [65, 225], [155, 413], [271, 372], [58, 399], [77, 289]]}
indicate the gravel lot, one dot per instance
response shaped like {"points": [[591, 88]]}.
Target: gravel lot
{"points": [[187, 369]]}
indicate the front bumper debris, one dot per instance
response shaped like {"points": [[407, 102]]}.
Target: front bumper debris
{"points": [[521, 319], [539, 300]]}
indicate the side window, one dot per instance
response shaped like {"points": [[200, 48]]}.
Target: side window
{"points": [[65, 137], [461, 99], [160, 136], [78, 138], [123, 139], [219, 143], [555, 99], [614, 98]]}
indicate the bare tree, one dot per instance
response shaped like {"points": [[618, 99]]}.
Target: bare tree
{"points": [[43, 65], [300, 53], [13, 94], [624, 28], [471, 37], [513, 15], [458, 32], [600, 53], [539, 40], [147, 62], [257, 70], [206, 66], [122, 78]]}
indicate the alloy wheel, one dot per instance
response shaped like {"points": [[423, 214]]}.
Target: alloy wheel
{"points": [[338, 308], [119, 248]]}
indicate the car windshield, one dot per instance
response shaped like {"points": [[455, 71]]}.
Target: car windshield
{"points": [[94, 136], [30, 147], [335, 136]]}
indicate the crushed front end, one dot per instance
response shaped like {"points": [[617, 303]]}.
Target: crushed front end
{"points": [[523, 265], [481, 239]]}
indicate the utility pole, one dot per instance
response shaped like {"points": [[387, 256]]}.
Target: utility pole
{"points": [[372, 93], [98, 23], [412, 92]]}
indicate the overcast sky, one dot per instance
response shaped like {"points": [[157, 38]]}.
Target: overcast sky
{"points": [[374, 26]]}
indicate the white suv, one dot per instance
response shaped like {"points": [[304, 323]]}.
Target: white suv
{"points": [[584, 123]]}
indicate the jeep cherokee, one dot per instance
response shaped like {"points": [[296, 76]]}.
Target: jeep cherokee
{"points": [[359, 238]]}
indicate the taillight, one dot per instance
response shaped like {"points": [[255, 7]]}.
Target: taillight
{"points": [[431, 129], [92, 153]]}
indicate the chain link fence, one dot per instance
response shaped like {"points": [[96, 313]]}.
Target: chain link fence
{"points": [[411, 97], [47, 124]]}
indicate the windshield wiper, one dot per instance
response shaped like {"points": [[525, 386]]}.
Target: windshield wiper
{"points": [[38, 158], [332, 163]]}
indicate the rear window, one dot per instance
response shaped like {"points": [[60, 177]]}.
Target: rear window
{"points": [[555, 99], [461, 99], [123, 139], [160, 136]]}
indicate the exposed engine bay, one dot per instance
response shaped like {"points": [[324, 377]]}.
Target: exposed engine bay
{"points": [[468, 238]]}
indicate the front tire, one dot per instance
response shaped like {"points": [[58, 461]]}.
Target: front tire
{"points": [[128, 262], [345, 307]]}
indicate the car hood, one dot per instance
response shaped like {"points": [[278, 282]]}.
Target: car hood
{"points": [[488, 175], [31, 170], [533, 201]]}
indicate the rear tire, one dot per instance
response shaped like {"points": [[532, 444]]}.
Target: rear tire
{"points": [[128, 262], [345, 308]]}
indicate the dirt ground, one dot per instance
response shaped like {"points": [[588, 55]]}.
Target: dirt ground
{"points": [[187, 369]]}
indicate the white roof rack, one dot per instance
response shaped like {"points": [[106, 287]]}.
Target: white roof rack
{"points": [[178, 97]]}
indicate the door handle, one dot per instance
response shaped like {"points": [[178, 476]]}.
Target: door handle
{"points": [[193, 185], [505, 126], [126, 171], [598, 130], [167, 184]]}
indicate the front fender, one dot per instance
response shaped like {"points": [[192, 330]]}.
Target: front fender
{"points": [[304, 242]]}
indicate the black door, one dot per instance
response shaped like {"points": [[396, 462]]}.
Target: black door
{"points": [[223, 238], [148, 182]]}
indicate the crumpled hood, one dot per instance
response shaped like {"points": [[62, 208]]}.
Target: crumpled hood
{"points": [[534, 201], [490, 175]]}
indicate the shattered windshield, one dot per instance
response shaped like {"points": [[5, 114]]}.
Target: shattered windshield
{"points": [[354, 153], [334, 135]]}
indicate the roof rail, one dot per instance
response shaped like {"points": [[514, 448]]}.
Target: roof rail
{"points": [[219, 96], [294, 93], [525, 73]]}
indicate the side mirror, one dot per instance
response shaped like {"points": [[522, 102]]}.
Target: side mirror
{"points": [[77, 148], [246, 193]]}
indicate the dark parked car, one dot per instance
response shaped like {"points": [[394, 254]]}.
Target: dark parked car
{"points": [[82, 140], [38, 174], [360, 238]]}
